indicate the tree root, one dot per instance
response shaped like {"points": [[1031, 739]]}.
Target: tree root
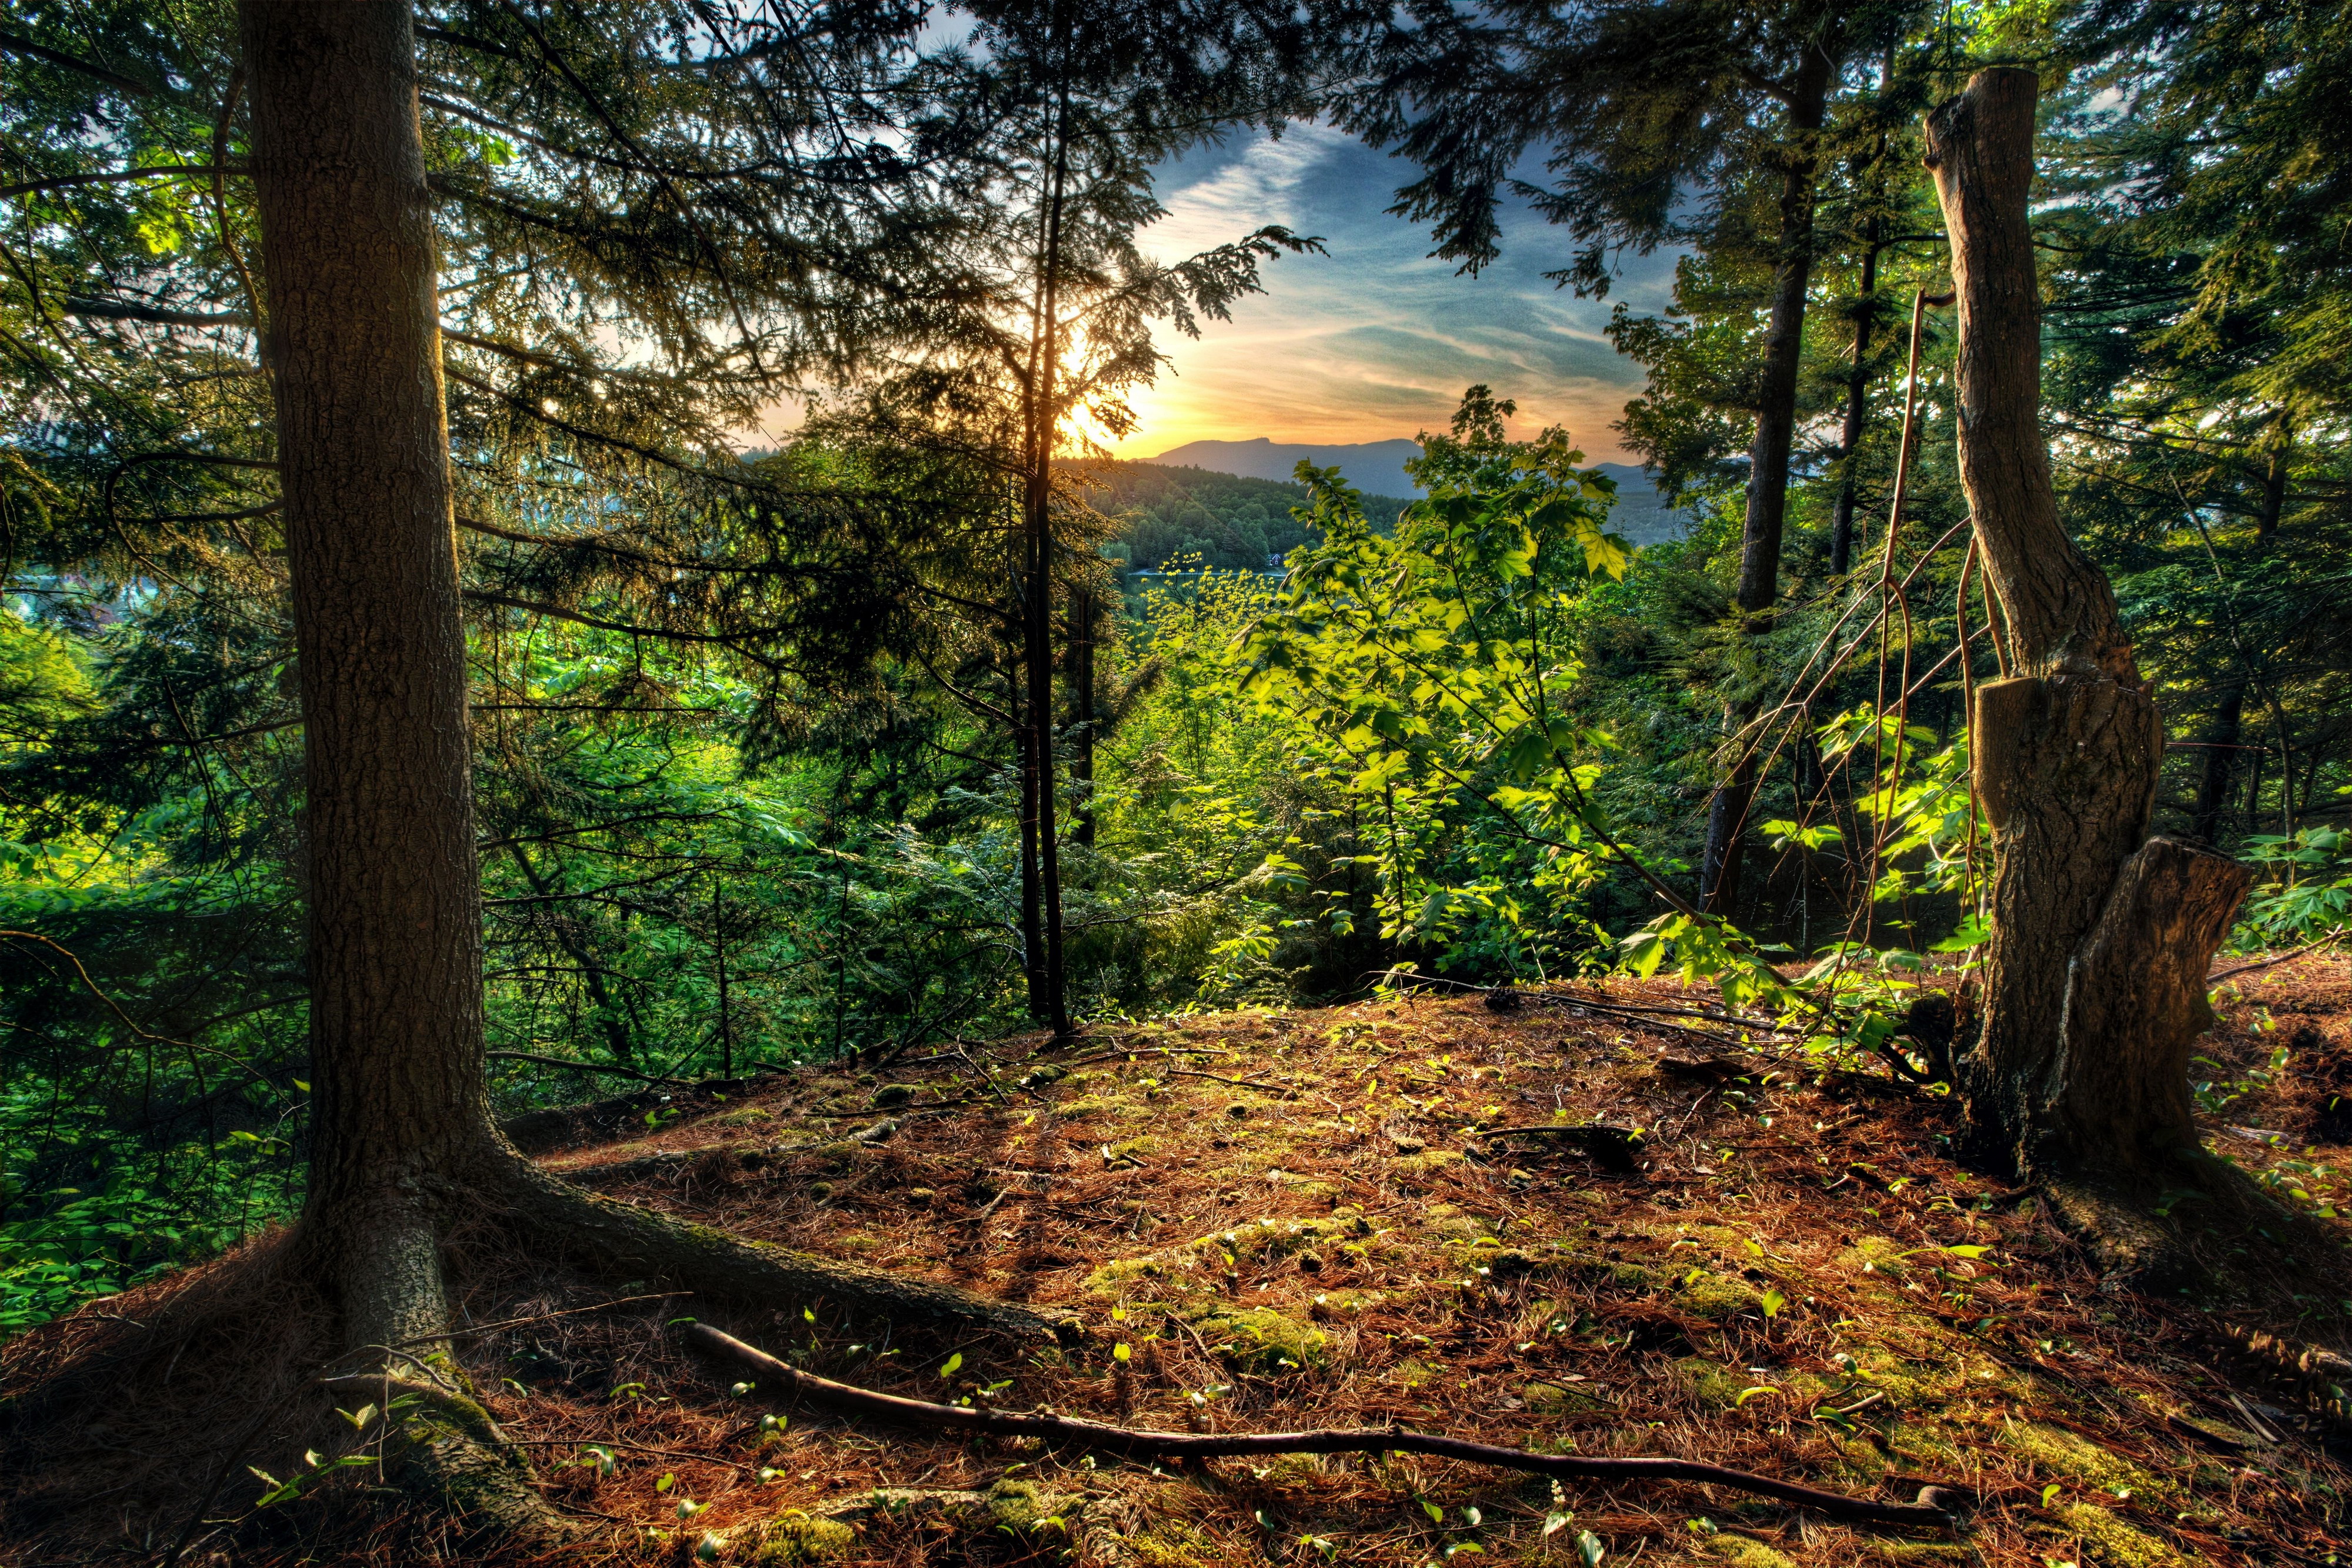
{"points": [[749, 1157], [2211, 1227], [639, 1243], [441, 1451], [1936, 1507]]}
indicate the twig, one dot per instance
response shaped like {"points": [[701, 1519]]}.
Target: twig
{"points": [[2309, 947], [606, 1069], [633, 1448], [1220, 1078], [1933, 1507]]}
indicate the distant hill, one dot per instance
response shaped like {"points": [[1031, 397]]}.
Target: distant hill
{"points": [[1377, 467], [1227, 520]]}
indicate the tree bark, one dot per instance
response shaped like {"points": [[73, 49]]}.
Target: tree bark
{"points": [[402, 1135], [2101, 938], [1768, 463], [395, 910], [1857, 405], [1086, 616]]}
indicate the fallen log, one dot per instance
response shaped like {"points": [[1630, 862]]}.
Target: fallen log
{"points": [[1936, 1507]]}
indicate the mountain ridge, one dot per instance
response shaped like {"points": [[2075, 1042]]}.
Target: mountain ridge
{"points": [[1377, 468]]}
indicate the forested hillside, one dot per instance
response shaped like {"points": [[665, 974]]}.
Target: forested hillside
{"points": [[479, 853], [1213, 520]]}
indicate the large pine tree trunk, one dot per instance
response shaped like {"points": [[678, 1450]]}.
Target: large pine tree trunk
{"points": [[2095, 973], [402, 1135], [394, 939]]}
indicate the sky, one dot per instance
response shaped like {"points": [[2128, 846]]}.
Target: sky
{"points": [[1375, 340]]}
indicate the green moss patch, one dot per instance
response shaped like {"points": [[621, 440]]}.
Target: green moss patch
{"points": [[1258, 1339], [796, 1538], [2111, 1542]]}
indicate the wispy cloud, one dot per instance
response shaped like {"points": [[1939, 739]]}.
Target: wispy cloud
{"points": [[1377, 339]]}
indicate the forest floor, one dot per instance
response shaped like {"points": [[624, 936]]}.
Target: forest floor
{"points": [[1307, 1219]]}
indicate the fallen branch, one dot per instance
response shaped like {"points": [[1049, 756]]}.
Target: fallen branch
{"points": [[1934, 1508]]}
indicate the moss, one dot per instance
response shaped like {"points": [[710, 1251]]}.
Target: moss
{"points": [[2058, 1453], [1922, 1444], [893, 1094], [1875, 1255], [2108, 1540], [744, 1118], [1173, 1544], [1091, 1105], [1258, 1339], [1414, 1372], [1113, 1277], [1430, 1164], [1706, 1294], [797, 1538], [1132, 1149], [1024, 1508], [1719, 1385], [1919, 1551], [1747, 1552]]}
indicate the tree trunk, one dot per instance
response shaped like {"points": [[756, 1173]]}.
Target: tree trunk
{"points": [[1857, 405], [1051, 1007], [1085, 615], [1768, 464], [2101, 938], [402, 1134], [2221, 742], [394, 913]]}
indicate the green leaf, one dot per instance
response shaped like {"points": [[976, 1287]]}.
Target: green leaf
{"points": [[1589, 1548], [953, 1361]]}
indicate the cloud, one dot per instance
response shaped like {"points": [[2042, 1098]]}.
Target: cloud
{"points": [[1377, 339]]}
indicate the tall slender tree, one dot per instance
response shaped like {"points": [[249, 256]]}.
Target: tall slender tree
{"points": [[1659, 125]]}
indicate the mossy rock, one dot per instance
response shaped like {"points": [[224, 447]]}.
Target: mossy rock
{"points": [[2112, 1543], [1089, 1105], [2062, 1454], [1258, 1339], [1747, 1552], [797, 1538], [894, 1094], [831, 1085], [1706, 1294], [1132, 1149], [746, 1117]]}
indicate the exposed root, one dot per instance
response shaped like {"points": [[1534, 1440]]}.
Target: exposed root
{"points": [[441, 1449], [746, 1156], [640, 1243], [2212, 1229], [1934, 1508]]}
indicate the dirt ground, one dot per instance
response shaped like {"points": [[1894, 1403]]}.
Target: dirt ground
{"points": [[1319, 1218]]}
